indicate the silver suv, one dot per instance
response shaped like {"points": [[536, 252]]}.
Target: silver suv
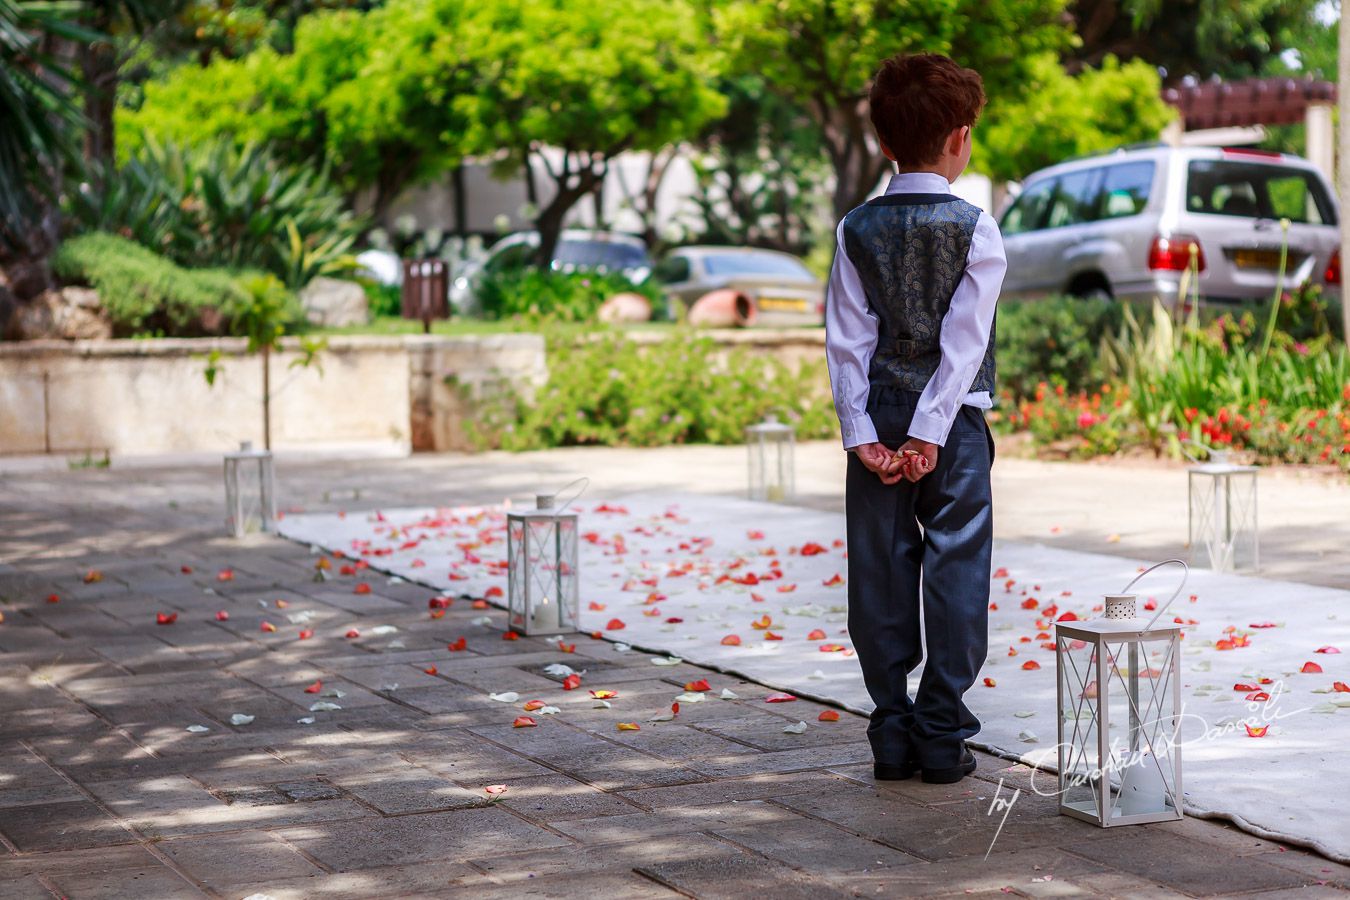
{"points": [[1125, 225]]}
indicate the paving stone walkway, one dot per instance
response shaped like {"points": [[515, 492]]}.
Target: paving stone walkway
{"points": [[104, 793]]}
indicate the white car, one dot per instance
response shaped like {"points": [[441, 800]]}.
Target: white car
{"points": [[577, 250], [1124, 225]]}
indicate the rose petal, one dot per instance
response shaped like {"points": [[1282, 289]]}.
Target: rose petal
{"points": [[799, 728], [314, 688], [989, 682], [1256, 732], [494, 789], [166, 618], [1326, 650], [614, 625], [828, 715], [571, 682], [1030, 665], [352, 633], [700, 685], [1311, 668], [628, 726], [505, 697], [731, 640], [523, 722], [779, 698], [729, 694]]}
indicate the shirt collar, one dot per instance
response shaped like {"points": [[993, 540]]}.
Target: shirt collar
{"points": [[918, 183]]}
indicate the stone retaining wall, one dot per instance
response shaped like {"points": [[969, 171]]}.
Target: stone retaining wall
{"points": [[375, 394]]}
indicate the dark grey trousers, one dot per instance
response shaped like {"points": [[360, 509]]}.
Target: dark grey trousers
{"points": [[940, 528]]}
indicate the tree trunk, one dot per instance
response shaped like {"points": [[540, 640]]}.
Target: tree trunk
{"points": [[461, 202], [857, 166], [267, 396], [570, 184], [98, 63]]}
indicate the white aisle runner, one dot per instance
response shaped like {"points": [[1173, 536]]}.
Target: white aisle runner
{"points": [[680, 574]]}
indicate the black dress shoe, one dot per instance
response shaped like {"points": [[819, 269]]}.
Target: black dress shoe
{"points": [[953, 774], [889, 772]]}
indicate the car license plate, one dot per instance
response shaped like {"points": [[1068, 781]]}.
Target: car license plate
{"points": [[782, 304], [1259, 259]]}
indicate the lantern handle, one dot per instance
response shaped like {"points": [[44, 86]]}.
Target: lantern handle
{"points": [[583, 481], [1185, 574]]}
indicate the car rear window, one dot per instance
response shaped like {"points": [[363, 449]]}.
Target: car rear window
{"points": [[599, 255], [1257, 191], [754, 264]]}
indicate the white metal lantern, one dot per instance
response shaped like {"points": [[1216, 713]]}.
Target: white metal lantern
{"points": [[772, 473], [1221, 514], [250, 490], [542, 588], [1119, 711]]}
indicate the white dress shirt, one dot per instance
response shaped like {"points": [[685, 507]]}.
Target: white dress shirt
{"points": [[851, 329]]}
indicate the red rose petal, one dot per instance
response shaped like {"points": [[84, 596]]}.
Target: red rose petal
{"points": [[1031, 664], [166, 618], [732, 640], [1255, 731], [571, 682], [817, 635], [314, 688], [779, 698], [828, 715], [306, 634], [352, 634], [1326, 650], [989, 682], [1311, 668], [700, 685], [614, 625], [523, 722], [457, 645]]}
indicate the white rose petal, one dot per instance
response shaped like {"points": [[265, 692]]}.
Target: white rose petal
{"points": [[729, 694], [198, 729], [323, 706], [307, 720], [505, 697], [666, 661], [799, 728], [240, 719]]}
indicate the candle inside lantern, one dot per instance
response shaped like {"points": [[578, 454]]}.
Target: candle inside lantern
{"points": [[1141, 786], [546, 616]]}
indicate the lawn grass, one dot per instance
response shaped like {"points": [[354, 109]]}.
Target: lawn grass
{"points": [[392, 325]]}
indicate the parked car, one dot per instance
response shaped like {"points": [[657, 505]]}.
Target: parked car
{"points": [[577, 250], [777, 286], [1123, 225]]}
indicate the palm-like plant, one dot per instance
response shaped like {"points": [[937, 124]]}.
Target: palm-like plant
{"points": [[41, 118]]}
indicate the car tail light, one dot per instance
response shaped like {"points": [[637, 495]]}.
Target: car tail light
{"points": [[1333, 273], [1173, 253]]}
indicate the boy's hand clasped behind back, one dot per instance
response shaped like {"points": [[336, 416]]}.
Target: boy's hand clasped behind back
{"points": [[913, 460]]}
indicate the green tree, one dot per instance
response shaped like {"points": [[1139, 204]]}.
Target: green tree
{"points": [[822, 55], [1064, 116], [351, 96], [1187, 37], [761, 171], [590, 78]]}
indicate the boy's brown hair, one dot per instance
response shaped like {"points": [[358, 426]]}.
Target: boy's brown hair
{"points": [[917, 100]]}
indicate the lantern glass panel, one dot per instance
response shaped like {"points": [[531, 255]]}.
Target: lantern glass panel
{"points": [[543, 589], [1118, 701], [1222, 514], [772, 472], [250, 504]]}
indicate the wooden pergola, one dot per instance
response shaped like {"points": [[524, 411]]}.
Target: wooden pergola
{"points": [[1261, 101]]}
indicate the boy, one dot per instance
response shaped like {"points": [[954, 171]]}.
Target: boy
{"points": [[909, 342]]}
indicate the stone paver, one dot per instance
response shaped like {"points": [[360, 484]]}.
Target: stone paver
{"points": [[104, 793]]}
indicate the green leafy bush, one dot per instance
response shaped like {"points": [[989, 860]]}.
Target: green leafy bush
{"points": [[608, 389], [562, 296], [220, 205], [147, 294], [1054, 339], [1173, 387]]}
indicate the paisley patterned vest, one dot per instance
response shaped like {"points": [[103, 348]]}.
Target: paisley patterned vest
{"points": [[910, 252]]}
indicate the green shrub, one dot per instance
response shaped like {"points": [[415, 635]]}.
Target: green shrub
{"points": [[1055, 339], [383, 299], [607, 389], [218, 205], [147, 294], [562, 296]]}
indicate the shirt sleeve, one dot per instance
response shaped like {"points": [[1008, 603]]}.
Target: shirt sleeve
{"points": [[964, 336], [851, 330]]}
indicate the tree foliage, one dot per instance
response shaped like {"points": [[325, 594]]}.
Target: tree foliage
{"points": [[1065, 116], [822, 55], [1188, 37]]}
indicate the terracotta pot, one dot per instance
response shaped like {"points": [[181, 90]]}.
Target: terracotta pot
{"points": [[724, 308], [626, 307]]}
